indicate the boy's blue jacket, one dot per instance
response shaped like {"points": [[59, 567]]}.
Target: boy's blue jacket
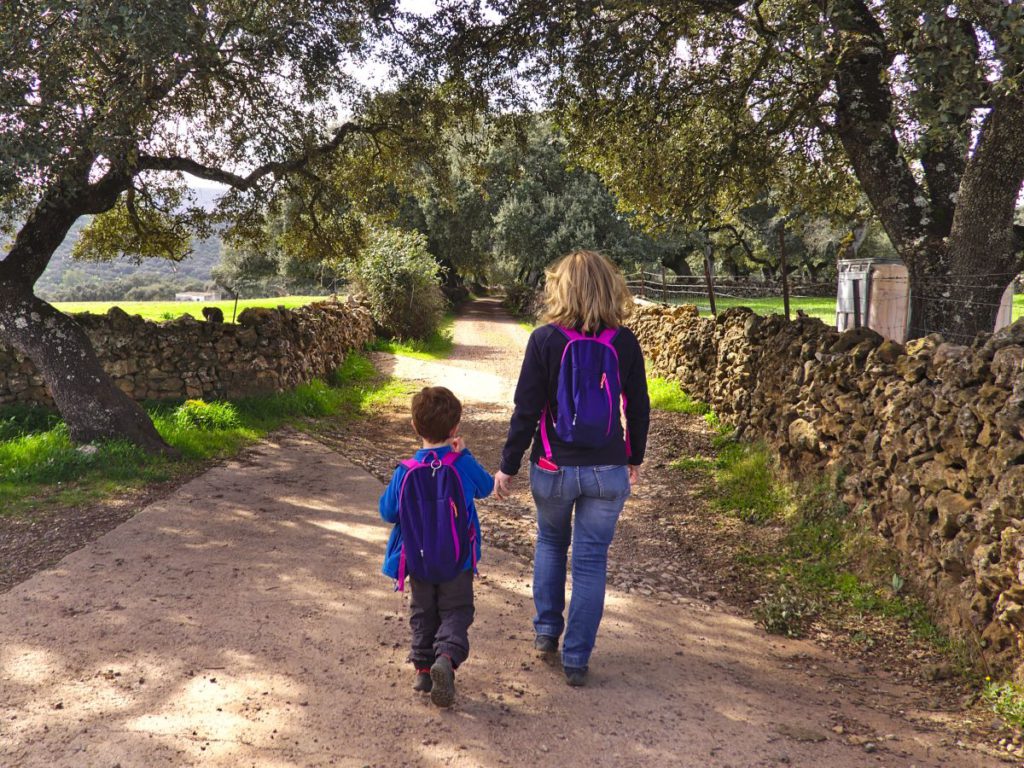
{"points": [[476, 483]]}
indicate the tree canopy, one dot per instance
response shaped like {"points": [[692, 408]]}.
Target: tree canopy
{"points": [[687, 108], [104, 107]]}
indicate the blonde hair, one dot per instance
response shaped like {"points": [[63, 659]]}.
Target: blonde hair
{"points": [[586, 290]]}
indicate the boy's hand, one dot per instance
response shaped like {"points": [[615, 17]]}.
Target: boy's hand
{"points": [[458, 444], [502, 485], [634, 474]]}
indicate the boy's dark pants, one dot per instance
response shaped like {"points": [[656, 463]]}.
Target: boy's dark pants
{"points": [[440, 615]]}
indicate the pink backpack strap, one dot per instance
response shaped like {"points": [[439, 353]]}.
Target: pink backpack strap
{"points": [[411, 463], [400, 582], [544, 440], [451, 457], [570, 333]]}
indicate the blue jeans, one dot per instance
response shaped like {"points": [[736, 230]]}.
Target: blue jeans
{"points": [[598, 495]]}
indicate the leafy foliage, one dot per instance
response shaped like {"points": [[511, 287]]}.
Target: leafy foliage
{"points": [[691, 112], [784, 611], [399, 281], [1006, 700]]}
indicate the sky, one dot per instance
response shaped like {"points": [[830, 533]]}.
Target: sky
{"points": [[372, 75]]}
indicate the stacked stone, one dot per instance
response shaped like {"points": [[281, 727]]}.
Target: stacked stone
{"points": [[269, 350], [926, 437]]}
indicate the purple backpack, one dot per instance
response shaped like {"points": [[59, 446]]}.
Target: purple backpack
{"points": [[588, 392], [437, 535]]}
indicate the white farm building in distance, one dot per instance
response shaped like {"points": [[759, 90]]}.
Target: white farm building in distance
{"points": [[198, 296]]}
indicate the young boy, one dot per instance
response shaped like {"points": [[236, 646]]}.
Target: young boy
{"points": [[440, 614]]}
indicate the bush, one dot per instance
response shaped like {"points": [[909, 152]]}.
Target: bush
{"points": [[399, 281], [522, 299], [784, 612], [199, 414]]}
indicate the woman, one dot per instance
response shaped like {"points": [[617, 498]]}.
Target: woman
{"points": [[571, 470]]}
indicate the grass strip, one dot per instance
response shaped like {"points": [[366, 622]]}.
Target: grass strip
{"points": [[40, 467], [667, 395], [824, 561], [436, 346]]}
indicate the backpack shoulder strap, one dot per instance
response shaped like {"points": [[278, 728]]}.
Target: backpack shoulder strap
{"points": [[570, 333], [451, 457], [411, 463], [607, 336]]}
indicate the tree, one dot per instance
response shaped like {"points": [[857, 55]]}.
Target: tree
{"points": [[400, 282], [523, 204], [683, 105], [103, 108]]}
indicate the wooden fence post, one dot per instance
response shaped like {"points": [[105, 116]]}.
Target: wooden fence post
{"points": [[709, 280], [782, 262]]}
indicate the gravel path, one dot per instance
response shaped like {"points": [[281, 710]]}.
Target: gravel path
{"points": [[243, 621]]}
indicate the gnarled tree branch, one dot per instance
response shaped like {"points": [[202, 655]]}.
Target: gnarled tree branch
{"points": [[275, 168]]}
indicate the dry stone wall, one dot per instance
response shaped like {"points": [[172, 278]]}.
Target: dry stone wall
{"points": [[269, 350], [927, 438]]}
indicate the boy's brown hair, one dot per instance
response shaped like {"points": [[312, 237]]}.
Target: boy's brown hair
{"points": [[435, 412]]}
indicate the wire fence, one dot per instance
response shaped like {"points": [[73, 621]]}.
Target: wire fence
{"points": [[817, 299], [884, 302]]}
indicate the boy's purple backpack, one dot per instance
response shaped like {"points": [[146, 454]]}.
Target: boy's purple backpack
{"points": [[437, 535], [589, 389]]}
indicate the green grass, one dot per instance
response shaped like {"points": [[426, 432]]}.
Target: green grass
{"points": [[437, 346], [41, 467], [745, 483], [824, 560], [824, 308], [668, 396], [169, 310], [1006, 700]]}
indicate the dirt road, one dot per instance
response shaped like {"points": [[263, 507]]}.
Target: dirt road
{"points": [[243, 621]]}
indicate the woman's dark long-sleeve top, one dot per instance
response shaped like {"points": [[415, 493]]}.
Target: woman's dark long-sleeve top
{"points": [[537, 387]]}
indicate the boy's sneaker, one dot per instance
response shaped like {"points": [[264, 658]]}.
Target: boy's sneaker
{"points": [[575, 676], [547, 648], [423, 682], [442, 677]]}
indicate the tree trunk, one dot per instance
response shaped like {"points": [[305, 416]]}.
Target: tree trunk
{"points": [[955, 294], [91, 404], [676, 261]]}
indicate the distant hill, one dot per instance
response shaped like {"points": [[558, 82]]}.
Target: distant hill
{"points": [[67, 279]]}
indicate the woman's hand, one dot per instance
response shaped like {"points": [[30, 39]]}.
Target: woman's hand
{"points": [[634, 474], [502, 485]]}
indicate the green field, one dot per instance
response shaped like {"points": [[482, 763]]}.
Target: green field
{"points": [[169, 310], [823, 308]]}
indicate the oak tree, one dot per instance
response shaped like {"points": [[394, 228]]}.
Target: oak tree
{"points": [[104, 106], [686, 106]]}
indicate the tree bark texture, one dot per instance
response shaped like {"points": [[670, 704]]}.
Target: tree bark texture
{"points": [[91, 404]]}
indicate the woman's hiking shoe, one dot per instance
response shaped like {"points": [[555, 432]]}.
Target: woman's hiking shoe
{"points": [[575, 676], [423, 682], [547, 648], [442, 676]]}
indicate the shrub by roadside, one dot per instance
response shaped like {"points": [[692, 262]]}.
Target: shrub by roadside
{"points": [[400, 283]]}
